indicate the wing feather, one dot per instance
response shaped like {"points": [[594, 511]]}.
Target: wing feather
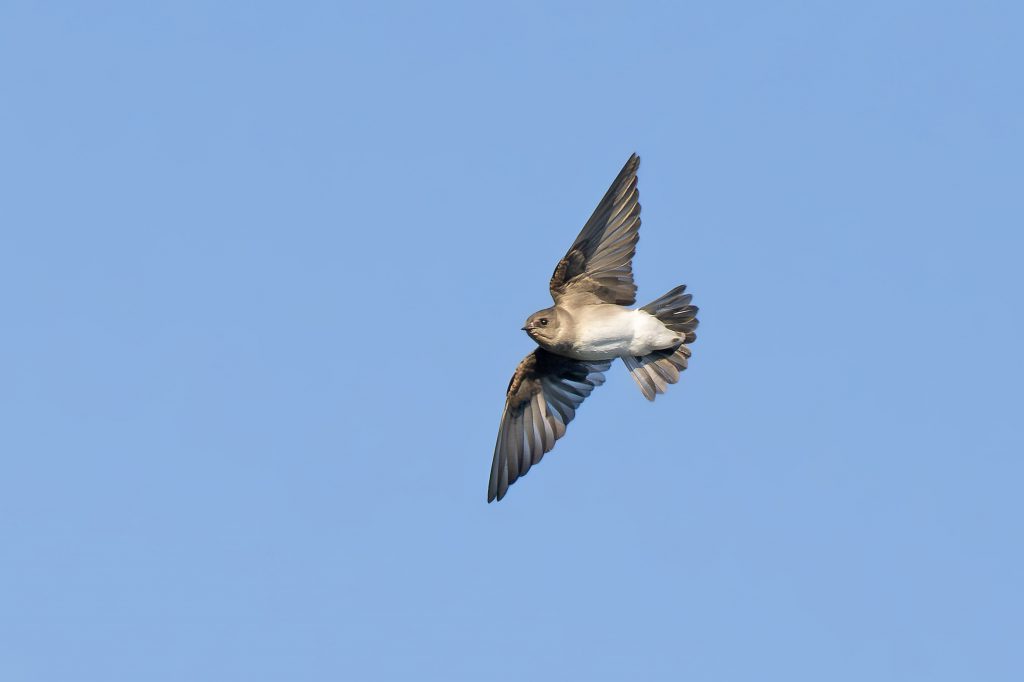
{"points": [[543, 396], [598, 265]]}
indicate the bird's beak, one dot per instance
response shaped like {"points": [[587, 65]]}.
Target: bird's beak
{"points": [[524, 329]]}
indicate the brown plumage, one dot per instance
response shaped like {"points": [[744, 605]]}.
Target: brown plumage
{"points": [[585, 330]]}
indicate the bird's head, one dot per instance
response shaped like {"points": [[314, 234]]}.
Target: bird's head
{"points": [[542, 326]]}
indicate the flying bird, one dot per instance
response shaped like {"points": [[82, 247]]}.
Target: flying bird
{"points": [[589, 327]]}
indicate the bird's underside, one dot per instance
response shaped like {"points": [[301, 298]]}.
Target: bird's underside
{"points": [[586, 329], [603, 331]]}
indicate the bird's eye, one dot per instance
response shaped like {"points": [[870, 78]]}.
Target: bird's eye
{"points": [[543, 321]]}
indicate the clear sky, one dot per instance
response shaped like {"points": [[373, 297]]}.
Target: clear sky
{"points": [[263, 269]]}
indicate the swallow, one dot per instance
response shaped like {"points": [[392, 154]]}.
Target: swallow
{"points": [[588, 327]]}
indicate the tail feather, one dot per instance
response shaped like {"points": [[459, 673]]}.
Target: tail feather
{"points": [[655, 371], [675, 312]]}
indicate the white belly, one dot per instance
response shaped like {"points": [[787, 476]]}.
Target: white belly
{"points": [[609, 331]]}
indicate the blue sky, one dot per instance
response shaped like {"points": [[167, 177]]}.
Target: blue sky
{"points": [[262, 273]]}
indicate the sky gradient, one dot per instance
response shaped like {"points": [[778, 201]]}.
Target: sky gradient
{"points": [[263, 268]]}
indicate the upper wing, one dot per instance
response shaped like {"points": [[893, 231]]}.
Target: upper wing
{"points": [[599, 263], [542, 398]]}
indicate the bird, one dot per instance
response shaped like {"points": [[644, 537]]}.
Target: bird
{"points": [[587, 328]]}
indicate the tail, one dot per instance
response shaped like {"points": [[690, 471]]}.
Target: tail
{"points": [[655, 371]]}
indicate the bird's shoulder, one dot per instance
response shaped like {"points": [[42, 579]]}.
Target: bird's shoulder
{"points": [[525, 382]]}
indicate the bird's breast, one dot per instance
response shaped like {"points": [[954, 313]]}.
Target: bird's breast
{"points": [[601, 332]]}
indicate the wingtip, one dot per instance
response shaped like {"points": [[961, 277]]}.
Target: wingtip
{"points": [[495, 492]]}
